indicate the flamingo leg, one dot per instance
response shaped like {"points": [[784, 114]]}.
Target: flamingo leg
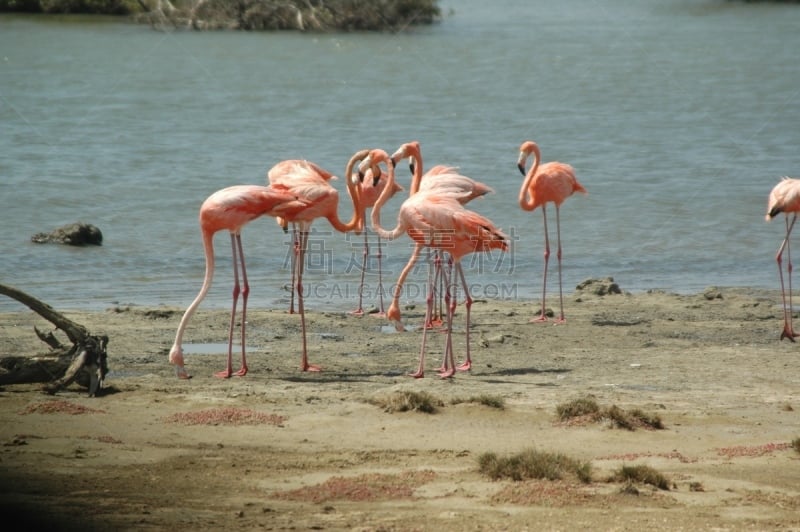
{"points": [[236, 290], [428, 311], [467, 364], [542, 316], [393, 314], [359, 311], [448, 368], [561, 319], [295, 252], [245, 293], [788, 330], [439, 310], [304, 365], [381, 313]]}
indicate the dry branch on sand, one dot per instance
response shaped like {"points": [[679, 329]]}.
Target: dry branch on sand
{"points": [[86, 358]]}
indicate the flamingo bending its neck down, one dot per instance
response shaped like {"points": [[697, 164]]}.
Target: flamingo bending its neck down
{"points": [[321, 201], [544, 183], [280, 174], [370, 188], [441, 222], [785, 198], [231, 209]]}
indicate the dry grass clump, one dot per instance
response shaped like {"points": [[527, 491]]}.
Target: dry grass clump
{"points": [[225, 416], [533, 464], [59, 406], [367, 487], [484, 399], [409, 401], [639, 474], [796, 444], [586, 410]]}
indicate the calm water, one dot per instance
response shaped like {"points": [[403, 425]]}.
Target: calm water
{"points": [[679, 116]]}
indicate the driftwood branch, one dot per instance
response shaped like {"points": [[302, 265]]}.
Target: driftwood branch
{"points": [[86, 356]]}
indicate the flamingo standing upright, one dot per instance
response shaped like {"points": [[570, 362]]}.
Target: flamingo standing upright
{"points": [[370, 188], [438, 221], [322, 201], [446, 181], [231, 209], [544, 183], [785, 198]]}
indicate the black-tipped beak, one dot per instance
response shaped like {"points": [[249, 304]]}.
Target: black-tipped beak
{"points": [[521, 168], [360, 176], [375, 178]]}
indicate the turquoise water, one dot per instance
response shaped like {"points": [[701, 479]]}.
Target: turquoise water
{"points": [[679, 116]]}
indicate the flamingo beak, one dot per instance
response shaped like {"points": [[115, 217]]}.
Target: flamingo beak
{"points": [[521, 167]]}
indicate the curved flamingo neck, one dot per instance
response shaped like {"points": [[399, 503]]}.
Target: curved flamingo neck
{"points": [[526, 200], [386, 193], [352, 190], [416, 179], [208, 248]]}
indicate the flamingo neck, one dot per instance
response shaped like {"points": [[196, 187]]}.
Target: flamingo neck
{"points": [[386, 193], [208, 248], [526, 200]]}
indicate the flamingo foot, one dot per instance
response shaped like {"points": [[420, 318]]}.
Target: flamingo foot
{"points": [[417, 374], [380, 314], [181, 372], [539, 319], [446, 374], [310, 367], [225, 374], [242, 372], [465, 366], [789, 333], [357, 312]]}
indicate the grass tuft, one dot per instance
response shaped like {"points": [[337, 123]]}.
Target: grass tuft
{"points": [[409, 401], [586, 409], [484, 399], [532, 464], [640, 474]]}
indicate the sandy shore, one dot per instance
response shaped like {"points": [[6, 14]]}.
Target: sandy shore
{"points": [[283, 449]]}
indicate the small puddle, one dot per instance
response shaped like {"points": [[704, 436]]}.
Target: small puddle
{"points": [[214, 348]]}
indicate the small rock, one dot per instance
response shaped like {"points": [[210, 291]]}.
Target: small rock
{"points": [[74, 234]]}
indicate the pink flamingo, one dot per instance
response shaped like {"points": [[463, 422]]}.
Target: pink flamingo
{"points": [[322, 201], [446, 182], [231, 209], [785, 198], [279, 174], [550, 182], [441, 222], [370, 188]]}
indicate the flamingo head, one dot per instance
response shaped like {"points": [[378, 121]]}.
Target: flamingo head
{"points": [[176, 358], [525, 150], [410, 150]]}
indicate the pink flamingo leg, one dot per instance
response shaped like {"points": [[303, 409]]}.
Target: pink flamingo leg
{"points": [[542, 316], [359, 311], [236, 246], [448, 368], [381, 313], [304, 365], [295, 252], [393, 314], [437, 288], [428, 311], [467, 364], [788, 330], [561, 319]]}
